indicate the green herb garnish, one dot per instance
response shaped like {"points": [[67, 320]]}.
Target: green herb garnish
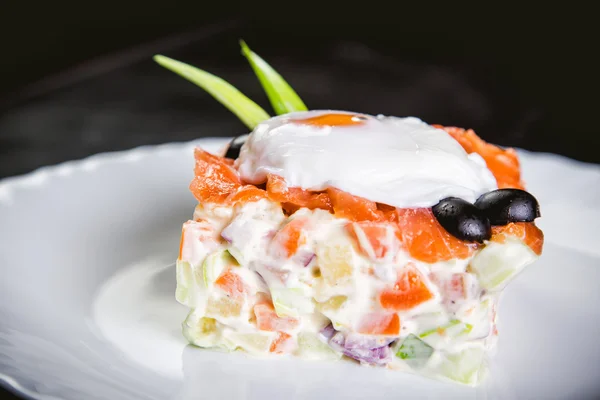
{"points": [[250, 113], [281, 95]]}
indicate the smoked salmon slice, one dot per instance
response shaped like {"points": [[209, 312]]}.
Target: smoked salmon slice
{"points": [[426, 240], [503, 163], [528, 232]]}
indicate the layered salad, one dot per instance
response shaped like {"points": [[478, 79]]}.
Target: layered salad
{"points": [[328, 234]]}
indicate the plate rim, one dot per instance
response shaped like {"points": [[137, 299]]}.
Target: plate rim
{"points": [[145, 150], [43, 175]]}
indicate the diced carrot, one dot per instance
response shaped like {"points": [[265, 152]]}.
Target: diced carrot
{"points": [[380, 324], [426, 240], [247, 194], [527, 232], [409, 291], [289, 238], [200, 231], [268, 320], [281, 344], [215, 179], [353, 207], [380, 237], [332, 119], [294, 198], [504, 164], [231, 283], [181, 242]]}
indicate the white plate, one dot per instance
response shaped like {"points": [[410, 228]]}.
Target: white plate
{"points": [[87, 307]]}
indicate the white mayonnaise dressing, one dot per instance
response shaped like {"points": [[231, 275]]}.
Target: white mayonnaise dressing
{"points": [[402, 162]]}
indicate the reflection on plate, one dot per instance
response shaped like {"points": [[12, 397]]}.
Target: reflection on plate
{"points": [[87, 307]]}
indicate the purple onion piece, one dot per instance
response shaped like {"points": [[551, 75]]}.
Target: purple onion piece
{"points": [[270, 234], [226, 234], [338, 341], [238, 232], [304, 257], [357, 341], [327, 333], [370, 350], [262, 279], [273, 271], [378, 356]]}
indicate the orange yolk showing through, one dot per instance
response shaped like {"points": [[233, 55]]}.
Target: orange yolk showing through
{"points": [[333, 119]]}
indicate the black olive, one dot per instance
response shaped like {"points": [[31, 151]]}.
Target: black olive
{"points": [[462, 219], [233, 151], [508, 205]]}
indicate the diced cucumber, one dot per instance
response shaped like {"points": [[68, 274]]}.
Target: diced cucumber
{"points": [[332, 304], [291, 302], [453, 328], [497, 263], [236, 254], [479, 317], [181, 294], [214, 264], [451, 331], [312, 348], [429, 321], [200, 331], [414, 351], [466, 367], [183, 271]]}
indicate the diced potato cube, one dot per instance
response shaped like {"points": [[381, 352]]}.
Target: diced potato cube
{"points": [[336, 262], [223, 307], [255, 343]]}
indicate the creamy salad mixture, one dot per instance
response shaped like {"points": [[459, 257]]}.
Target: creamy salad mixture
{"points": [[271, 281]]}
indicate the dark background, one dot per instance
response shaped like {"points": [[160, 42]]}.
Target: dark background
{"points": [[76, 78]]}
